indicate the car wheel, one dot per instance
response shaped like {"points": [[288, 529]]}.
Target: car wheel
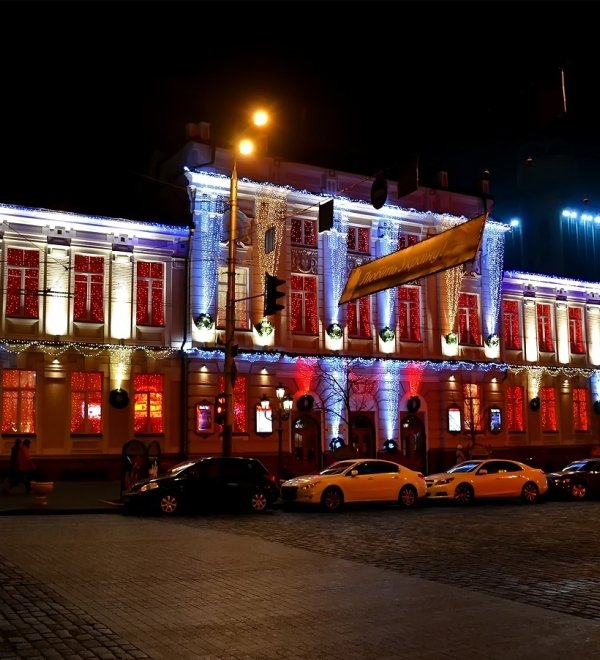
{"points": [[530, 493], [332, 500], [578, 491], [169, 504], [407, 497], [463, 494], [258, 501]]}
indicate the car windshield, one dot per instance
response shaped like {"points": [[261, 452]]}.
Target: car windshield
{"points": [[337, 468], [176, 469], [467, 466], [576, 466]]}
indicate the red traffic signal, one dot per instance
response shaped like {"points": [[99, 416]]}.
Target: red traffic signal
{"points": [[272, 295], [220, 400]]}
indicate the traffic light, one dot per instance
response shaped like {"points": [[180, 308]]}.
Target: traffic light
{"points": [[220, 408], [271, 294]]}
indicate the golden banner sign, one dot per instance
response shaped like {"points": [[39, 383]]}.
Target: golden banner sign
{"points": [[450, 248]]}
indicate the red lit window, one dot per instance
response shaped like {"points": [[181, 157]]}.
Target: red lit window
{"points": [[580, 409], [18, 401], [576, 330], [303, 296], [148, 410], [89, 288], [468, 320], [544, 326], [358, 316], [409, 313], [22, 284], [86, 402], [359, 240], [472, 408], [304, 232], [241, 311], [406, 240], [240, 417], [548, 409], [511, 334], [150, 294], [515, 399]]}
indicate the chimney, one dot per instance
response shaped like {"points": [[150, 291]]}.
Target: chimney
{"points": [[485, 182], [199, 131]]}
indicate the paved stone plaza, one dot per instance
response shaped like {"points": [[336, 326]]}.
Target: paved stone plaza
{"points": [[495, 582]]}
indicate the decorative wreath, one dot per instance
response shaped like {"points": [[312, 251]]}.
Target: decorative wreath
{"points": [[335, 331], [264, 328], [451, 338], [118, 398], [204, 321], [413, 404], [390, 445], [535, 403], [492, 341], [387, 334], [305, 403]]}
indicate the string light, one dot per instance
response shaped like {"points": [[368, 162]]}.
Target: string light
{"points": [[337, 246], [494, 255], [391, 371], [206, 248], [270, 211]]}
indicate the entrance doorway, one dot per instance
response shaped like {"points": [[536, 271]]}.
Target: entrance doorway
{"points": [[362, 436], [413, 445], [306, 446]]}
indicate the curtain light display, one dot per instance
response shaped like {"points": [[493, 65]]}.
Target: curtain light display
{"points": [[270, 208], [386, 244], [209, 208], [334, 388], [335, 279], [493, 243], [391, 377]]}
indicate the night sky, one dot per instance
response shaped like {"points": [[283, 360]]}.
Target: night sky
{"points": [[94, 94]]}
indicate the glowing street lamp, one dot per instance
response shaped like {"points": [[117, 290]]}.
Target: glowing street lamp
{"points": [[284, 406], [244, 147]]}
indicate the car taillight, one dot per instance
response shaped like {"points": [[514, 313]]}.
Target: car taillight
{"points": [[271, 477], [419, 474]]}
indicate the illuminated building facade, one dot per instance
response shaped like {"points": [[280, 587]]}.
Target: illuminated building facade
{"points": [[120, 326]]}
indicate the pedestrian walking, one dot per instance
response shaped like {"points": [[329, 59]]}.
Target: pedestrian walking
{"points": [[25, 466], [460, 454]]}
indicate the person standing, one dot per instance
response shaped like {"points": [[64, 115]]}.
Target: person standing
{"points": [[25, 465], [460, 454]]}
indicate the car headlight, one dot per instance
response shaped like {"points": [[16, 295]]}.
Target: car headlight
{"points": [[566, 480], [309, 486], [146, 487], [443, 482]]}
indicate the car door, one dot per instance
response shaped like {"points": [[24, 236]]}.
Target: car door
{"points": [[594, 478], [196, 484], [367, 485], [503, 479]]}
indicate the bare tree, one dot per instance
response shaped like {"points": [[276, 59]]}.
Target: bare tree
{"points": [[345, 390]]}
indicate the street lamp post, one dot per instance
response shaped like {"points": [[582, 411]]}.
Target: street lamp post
{"points": [[284, 407], [245, 147]]}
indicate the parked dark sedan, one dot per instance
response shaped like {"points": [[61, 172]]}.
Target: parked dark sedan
{"points": [[203, 484], [577, 481]]}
